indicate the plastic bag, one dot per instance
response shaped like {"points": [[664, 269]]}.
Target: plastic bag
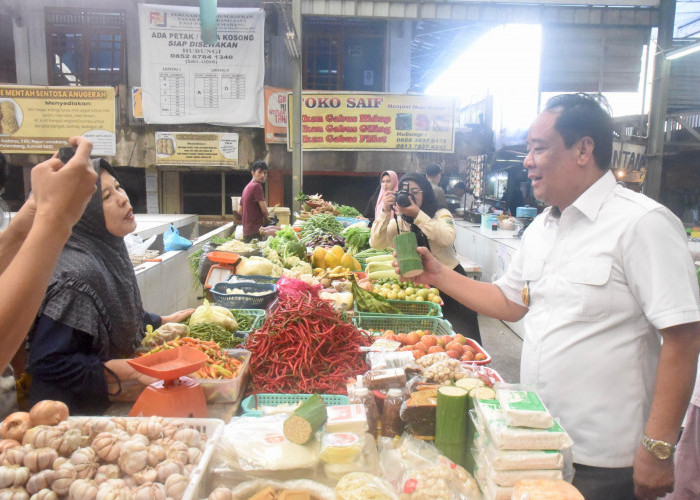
{"points": [[173, 241], [258, 444], [290, 287], [362, 486], [135, 245], [204, 263]]}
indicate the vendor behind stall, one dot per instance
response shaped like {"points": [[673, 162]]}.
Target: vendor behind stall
{"points": [[253, 206], [92, 316]]}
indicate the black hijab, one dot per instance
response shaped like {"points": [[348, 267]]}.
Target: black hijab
{"points": [[429, 205], [93, 287]]}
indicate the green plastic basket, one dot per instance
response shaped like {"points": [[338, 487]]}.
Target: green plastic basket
{"points": [[248, 404], [258, 318], [408, 308], [405, 324]]}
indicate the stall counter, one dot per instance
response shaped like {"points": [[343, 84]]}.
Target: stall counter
{"points": [[493, 250]]}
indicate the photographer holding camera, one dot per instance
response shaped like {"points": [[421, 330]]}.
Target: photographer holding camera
{"points": [[416, 210]]}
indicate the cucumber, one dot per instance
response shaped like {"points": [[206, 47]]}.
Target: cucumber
{"points": [[377, 275], [380, 258]]}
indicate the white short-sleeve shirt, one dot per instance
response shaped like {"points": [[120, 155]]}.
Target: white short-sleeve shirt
{"points": [[603, 279]]}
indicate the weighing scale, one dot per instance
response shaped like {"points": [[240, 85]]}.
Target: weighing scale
{"points": [[224, 267], [174, 395]]}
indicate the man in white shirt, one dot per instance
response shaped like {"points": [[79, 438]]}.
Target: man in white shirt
{"points": [[601, 276]]}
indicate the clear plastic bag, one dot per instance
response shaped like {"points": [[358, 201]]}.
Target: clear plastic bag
{"points": [[258, 444], [363, 486]]}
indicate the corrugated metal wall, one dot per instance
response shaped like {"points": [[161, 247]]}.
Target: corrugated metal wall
{"points": [[684, 91], [578, 59]]}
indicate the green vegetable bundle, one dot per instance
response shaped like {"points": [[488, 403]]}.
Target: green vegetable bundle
{"points": [[348, 211], [356, 239], [215, 333], [325, 222], [371, 302]]}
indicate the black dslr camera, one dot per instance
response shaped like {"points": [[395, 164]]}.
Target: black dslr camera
{"points": [[403, 197]]}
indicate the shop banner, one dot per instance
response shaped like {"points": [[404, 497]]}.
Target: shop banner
{"points": [[197, 149], [41, 119], [376, 122], [185, 80], [276, 115]]}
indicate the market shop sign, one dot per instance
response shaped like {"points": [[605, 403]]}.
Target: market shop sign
{"points": [[35, 119], [376, 122], [276, 115], [197, 149]]}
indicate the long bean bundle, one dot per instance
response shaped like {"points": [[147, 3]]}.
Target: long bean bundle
{"points": [[304, 347]]}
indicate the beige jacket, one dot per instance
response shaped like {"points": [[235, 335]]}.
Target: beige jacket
{"points": [[440, 231]]}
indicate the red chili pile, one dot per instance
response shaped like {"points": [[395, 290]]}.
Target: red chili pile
{"points": [[304, 347]]}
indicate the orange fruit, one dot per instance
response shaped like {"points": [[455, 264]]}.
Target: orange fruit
{"points": [[435, 348], [480, 356], [468, 356], [417, 353], [460, 338], [401, 337], [412, 338], [468, 348], [454, 346], [442, 340], [429, 340], [453, 354], [405, 348]]}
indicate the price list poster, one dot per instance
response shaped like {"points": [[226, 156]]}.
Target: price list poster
{"points": [[185, 80]]}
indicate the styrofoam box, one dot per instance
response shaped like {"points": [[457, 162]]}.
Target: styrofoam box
{"points": [[212, 427]]}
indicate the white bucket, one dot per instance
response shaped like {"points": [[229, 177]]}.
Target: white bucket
{"points": [[235, 203]]}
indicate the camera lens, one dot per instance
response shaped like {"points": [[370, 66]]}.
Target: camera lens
{"points": [[402, 199]]}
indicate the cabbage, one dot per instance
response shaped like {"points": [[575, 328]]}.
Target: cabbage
{"points": [[206, 313], [254, 266]]}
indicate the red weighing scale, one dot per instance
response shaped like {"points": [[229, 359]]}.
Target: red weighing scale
{"points": [[175, 395], [224, 267]]}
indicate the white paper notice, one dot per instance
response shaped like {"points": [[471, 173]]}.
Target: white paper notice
{"points": [[185, 80]]}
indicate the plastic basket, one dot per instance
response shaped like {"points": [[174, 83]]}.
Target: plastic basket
{"points": [[258, 317], [212, 427], [248, 404], [409, 308], [227, 390], [404, 324], [242, 301], [253, 277], [478, 349]]}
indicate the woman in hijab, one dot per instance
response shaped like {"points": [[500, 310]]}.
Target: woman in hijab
{"points": [[388, 183], [434, 229], [91, 318]]}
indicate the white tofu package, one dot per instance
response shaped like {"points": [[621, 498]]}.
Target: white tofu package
{"points": [[523, 408]]}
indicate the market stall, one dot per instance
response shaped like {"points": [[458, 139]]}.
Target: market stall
{"points": [[309, 370]]}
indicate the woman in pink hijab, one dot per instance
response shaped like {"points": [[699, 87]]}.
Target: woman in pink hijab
{"points": [[388, 183]]}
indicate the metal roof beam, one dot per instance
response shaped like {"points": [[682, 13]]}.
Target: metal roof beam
{"points": [[485, 12]]}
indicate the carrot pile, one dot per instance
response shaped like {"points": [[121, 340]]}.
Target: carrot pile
{"points": [[304, 347], [219, 365]]}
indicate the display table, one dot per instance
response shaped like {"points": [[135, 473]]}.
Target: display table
{"points": [[492, 250]]}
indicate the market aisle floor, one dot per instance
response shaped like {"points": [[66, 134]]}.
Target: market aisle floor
{"points": [[504, 347]]}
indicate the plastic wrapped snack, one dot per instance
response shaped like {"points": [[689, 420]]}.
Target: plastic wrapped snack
{"points": [[382, 360], [534, 489], [523, 408], [340, 447], [363, 486], [258, 444], [367, 461], [418, 470], [267, 489], [518, 438], [519, 459], [508, 478]]}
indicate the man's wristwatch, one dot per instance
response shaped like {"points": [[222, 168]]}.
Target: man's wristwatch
{"points": [[661, 450]]}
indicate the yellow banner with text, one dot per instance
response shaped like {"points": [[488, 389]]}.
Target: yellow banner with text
{"points": [[375, 122]]}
